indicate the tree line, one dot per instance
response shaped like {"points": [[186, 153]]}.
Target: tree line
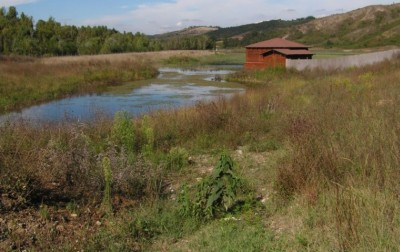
{"points": [[20, 35]]}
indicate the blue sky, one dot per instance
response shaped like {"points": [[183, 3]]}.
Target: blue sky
{"points": [[159, 16]]}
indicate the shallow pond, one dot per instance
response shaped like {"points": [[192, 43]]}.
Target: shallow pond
{"points": [[172, 88]]}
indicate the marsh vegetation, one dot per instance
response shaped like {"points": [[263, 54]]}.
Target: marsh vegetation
{"points": [[300, 161], [28, 81]]}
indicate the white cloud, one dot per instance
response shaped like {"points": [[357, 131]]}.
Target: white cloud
{"points": [[7, 3], [162, 17]]}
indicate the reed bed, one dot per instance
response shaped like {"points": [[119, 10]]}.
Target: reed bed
{"points": [[26, 82]]}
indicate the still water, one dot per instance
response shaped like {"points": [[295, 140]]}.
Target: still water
{"points": [[172, 88]]}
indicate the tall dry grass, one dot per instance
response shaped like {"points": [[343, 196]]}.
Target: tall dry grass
{"points": [[123, 57], [55, 164], [340, 130], [221, 123], [343, 129], [343, 141], [64, 161]]}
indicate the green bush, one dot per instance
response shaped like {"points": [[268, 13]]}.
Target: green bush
{"points": [[148, 135], [122, 131], [177, 159], [107, 203], [215, 195]]}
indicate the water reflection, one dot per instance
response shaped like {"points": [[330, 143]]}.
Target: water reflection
{"points": [[173, 88]]}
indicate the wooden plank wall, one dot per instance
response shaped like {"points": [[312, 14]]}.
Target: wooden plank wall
{"points": [[254, 59]]}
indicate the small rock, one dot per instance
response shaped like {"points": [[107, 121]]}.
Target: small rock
{"points": [[74, 215], [239, 152], [60, 228], [98, 223], [384, 102], [55, 184], [231, 219]]}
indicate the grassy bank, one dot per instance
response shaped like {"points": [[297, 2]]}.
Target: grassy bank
{"points": [[26, 81], [222, 57], [315, 168]]}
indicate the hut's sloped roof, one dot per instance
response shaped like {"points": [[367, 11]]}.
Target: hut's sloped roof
{"points": [[277, 43]]}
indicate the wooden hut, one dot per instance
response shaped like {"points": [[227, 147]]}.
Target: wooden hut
{"points": [[274, 52]]}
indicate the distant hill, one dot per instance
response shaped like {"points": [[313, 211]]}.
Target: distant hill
{"points": [[190, 31], [273, 27], [371, 26], [238, 35], [377, 25]]}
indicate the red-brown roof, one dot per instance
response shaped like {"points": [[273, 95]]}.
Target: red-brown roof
{"points": [[291, 52], [277, 43]]}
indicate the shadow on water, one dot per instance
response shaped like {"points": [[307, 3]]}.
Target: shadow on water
{"points": [[174, 87]]}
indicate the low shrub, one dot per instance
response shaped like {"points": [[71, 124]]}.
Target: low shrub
{"points": [[123, 133], [177, 159], [215, 195]]}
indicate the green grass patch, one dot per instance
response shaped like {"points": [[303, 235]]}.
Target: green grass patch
{"points": [[218, 58], [231, 234], [181, 61], [224, 58], [256, 78]]}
